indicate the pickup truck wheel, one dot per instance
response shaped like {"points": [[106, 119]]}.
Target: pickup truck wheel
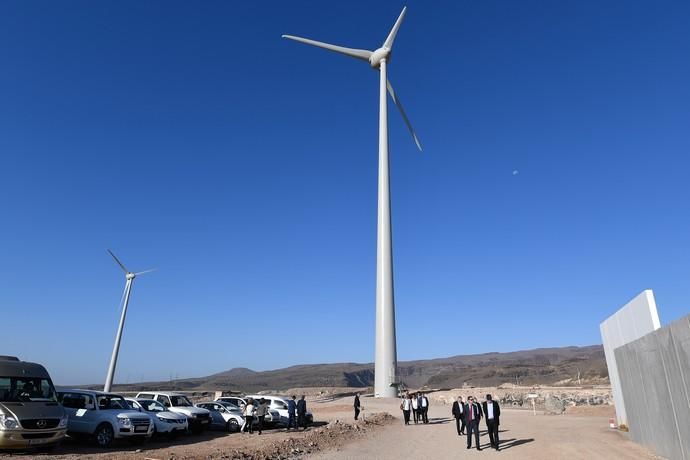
{"points": [[104, 435], [233, 425]]}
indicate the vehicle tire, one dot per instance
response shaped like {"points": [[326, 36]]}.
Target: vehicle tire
{"points": [[233, 426], [104, 435]]}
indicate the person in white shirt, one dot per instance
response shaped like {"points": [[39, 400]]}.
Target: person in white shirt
{"points": [[425, 409], [249, 416], [492, 412], [459, 414], [406, 406]]}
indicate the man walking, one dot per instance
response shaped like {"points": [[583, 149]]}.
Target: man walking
{"points": [[473, 413], [357, 406], [261, 412], [292, 407], [420, 410], [405, 406], [302, 413], [458, 413], [492, 413], [425, 408]]}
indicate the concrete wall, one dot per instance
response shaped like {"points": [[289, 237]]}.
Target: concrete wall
{"points": [[635, 319], [655, 381]]}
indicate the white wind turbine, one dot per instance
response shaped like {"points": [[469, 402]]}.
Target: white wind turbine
{"points": [[385, 380], [129, 277]]}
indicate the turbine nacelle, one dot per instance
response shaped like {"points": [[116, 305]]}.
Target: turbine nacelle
{"points": [[130, 276], [379, 55]]}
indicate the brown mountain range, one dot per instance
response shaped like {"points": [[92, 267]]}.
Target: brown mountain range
{"points": [[538, 366]]}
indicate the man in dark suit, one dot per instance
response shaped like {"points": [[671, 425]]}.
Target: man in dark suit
{"points": [[458, 412], [357, 406], [473, 413], [292, 408], [491, 414], [425, 409], [302, 413]]}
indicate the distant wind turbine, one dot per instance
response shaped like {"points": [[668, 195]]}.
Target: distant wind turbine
{"points": [[385, 380], [129, 277]]}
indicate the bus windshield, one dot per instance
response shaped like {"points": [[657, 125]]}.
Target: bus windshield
{"points": [[26, 389]]}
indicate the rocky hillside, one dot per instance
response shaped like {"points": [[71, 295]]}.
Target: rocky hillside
{"points": [[546, 366]]}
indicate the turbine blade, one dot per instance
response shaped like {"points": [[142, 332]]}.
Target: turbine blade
{"points": [[124, 269], [394, 31], [352, 52], [391, 91], [146, 271], [122, 299]]}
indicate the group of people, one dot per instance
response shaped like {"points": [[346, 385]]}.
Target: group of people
{"points": [[252, 409], [416, 404], [297, 414], [468, 415]]}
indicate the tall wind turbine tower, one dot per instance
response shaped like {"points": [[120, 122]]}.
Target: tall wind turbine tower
{"points": [[129, 280], [385, 380]]}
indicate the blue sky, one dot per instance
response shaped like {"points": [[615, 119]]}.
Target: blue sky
{"points": [[190, 137]]}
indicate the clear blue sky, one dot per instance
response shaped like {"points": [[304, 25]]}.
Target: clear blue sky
{"points": [[190, 137]]}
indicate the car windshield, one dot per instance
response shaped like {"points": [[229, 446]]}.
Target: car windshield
{"points": [[106, 402], [26, 389], [180, 401], [231, 407], [150, 405]]}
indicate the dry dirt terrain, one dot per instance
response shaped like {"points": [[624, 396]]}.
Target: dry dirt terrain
{"points": [[581, 433]]}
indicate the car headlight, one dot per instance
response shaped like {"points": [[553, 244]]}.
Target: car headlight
{"points": [[166, 420], [63, 421], [125, 422], [8, 422]]}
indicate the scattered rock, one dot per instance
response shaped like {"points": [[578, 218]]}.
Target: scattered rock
{"points": [[554, 405]]}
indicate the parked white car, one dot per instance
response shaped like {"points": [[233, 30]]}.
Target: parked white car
{"points": [[198, 419], [105, 416], [224, 415], [280, 405], [166, 422]]}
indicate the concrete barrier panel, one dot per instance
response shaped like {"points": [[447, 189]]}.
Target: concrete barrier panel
{"points": [[654, 376], [635, 319]]}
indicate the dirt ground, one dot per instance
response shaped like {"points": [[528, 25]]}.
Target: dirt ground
{"points": [[581, 433]]}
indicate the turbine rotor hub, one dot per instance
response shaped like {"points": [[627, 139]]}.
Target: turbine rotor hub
{"points": [[378, 55], [130, 276]]}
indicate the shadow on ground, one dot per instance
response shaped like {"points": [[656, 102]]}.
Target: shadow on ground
{"points": [[508, 443]]}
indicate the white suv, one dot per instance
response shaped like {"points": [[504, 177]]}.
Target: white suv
{"points": [[105, 416], [197, 418]]}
